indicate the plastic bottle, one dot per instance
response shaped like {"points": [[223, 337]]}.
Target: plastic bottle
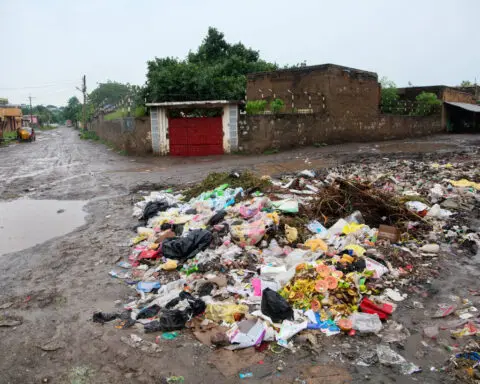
{"points": [[355, 217]]}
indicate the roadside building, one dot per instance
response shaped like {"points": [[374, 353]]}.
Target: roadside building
{"points": [[10, 118]]}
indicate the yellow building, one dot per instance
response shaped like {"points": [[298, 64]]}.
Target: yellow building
{"points": [[10, 118]]}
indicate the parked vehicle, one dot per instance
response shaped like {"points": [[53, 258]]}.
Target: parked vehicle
{"points": [[26, 134]]}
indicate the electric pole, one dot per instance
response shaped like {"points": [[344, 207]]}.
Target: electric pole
{"points": [[84, 109], [31, 115]]}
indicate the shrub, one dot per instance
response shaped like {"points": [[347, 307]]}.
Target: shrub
{"points": [[277, 105], [427, 103], [389, 95], [255, 107]]}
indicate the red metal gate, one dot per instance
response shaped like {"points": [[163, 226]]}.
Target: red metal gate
{"points": [[195, 136]]}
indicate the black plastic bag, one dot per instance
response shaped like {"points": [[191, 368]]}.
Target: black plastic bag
{"points": [[184, 248], [275, 306], [152, 208], [197, 306], [217, 217], [170, 320], [148, 312], [175, 319], [177, 228], [104, 317]]}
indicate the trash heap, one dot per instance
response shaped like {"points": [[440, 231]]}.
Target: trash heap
{"points": [[245, 261]]}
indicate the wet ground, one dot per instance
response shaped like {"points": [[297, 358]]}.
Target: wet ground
{"points": [[53, 280]]}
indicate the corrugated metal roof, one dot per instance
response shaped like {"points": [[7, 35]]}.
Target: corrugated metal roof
{"points": [[466, 106]]}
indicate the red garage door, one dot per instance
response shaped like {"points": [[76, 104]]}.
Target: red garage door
{"points": [[195, 136]]}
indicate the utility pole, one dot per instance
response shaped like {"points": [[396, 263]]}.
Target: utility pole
{"points": [[84, 109], [31, 116]]}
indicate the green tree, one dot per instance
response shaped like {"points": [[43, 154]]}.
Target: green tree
{"points": [[109, 93], [427, 103], [466, 83], [389, 95], [73, 110], [217, 70]]}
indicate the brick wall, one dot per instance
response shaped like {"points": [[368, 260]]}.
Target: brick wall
{"points": [[455, 95], [328, 88], [130, 135], [261, 132], [443, 92]]}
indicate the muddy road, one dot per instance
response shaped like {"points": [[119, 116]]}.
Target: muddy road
{"points": [[53, 280]]}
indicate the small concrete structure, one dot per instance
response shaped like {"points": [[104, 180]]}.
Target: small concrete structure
{"points": [[160, 122]]}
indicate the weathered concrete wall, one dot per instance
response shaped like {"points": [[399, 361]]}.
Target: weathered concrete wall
{"points": [[130, 135], [328, 88], [457, 96], [443, 93], [261, 132]]}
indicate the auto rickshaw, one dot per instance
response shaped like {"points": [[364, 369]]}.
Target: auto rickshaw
{"points": [[26, 134]]}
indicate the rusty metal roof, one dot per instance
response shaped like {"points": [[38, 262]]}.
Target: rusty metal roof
{"points": [[466, 106]]}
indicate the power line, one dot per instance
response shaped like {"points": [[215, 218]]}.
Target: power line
{"points": [[39, 86]]}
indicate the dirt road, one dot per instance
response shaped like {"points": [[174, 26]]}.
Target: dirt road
{"points": [[54, 287]]}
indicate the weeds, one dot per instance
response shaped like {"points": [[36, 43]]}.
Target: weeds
{"points": [[247, 180], [89, 135]]}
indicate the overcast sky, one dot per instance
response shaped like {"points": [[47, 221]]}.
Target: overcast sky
{"points": [[47, 45]]}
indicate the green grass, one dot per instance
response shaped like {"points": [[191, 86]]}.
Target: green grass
{"points": [[9, 136], [138, 112], [271, 151], [89, 135]]}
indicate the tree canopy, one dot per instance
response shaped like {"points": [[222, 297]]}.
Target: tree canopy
{"points": [[46, 114], [389, 95], [73, 110], [217, 70], [466, 83], [109, 93]]}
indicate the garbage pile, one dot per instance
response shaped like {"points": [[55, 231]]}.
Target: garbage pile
{"points": [[245, 261]]}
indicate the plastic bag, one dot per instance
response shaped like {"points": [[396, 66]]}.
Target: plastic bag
{"points": [[224, 312], [438, 212], [366, 322], [317, 228], [287, 205], [152, 208], [275, 306], [148, 312], [217, 217], [175, 319], [388, 356], [290, 329], [317, 245], [248, 233], [291, 233], [250, 210], [184, 248], [148, 286]]}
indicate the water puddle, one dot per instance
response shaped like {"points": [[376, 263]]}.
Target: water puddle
{"points": [[25, 223]]}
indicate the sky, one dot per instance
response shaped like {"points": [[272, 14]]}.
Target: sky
{"points": [[53, 43]]}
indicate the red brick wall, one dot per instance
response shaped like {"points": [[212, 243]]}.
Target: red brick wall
{"points": [[328, 88], [261, 132]]}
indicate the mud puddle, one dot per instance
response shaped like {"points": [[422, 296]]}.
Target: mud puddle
{"points": [[25, 223]]}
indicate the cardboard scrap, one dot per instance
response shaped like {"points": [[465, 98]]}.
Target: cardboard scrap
{"points": [[389, 233]]}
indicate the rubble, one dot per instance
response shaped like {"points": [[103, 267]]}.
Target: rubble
{"points": [[244, 260]]}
